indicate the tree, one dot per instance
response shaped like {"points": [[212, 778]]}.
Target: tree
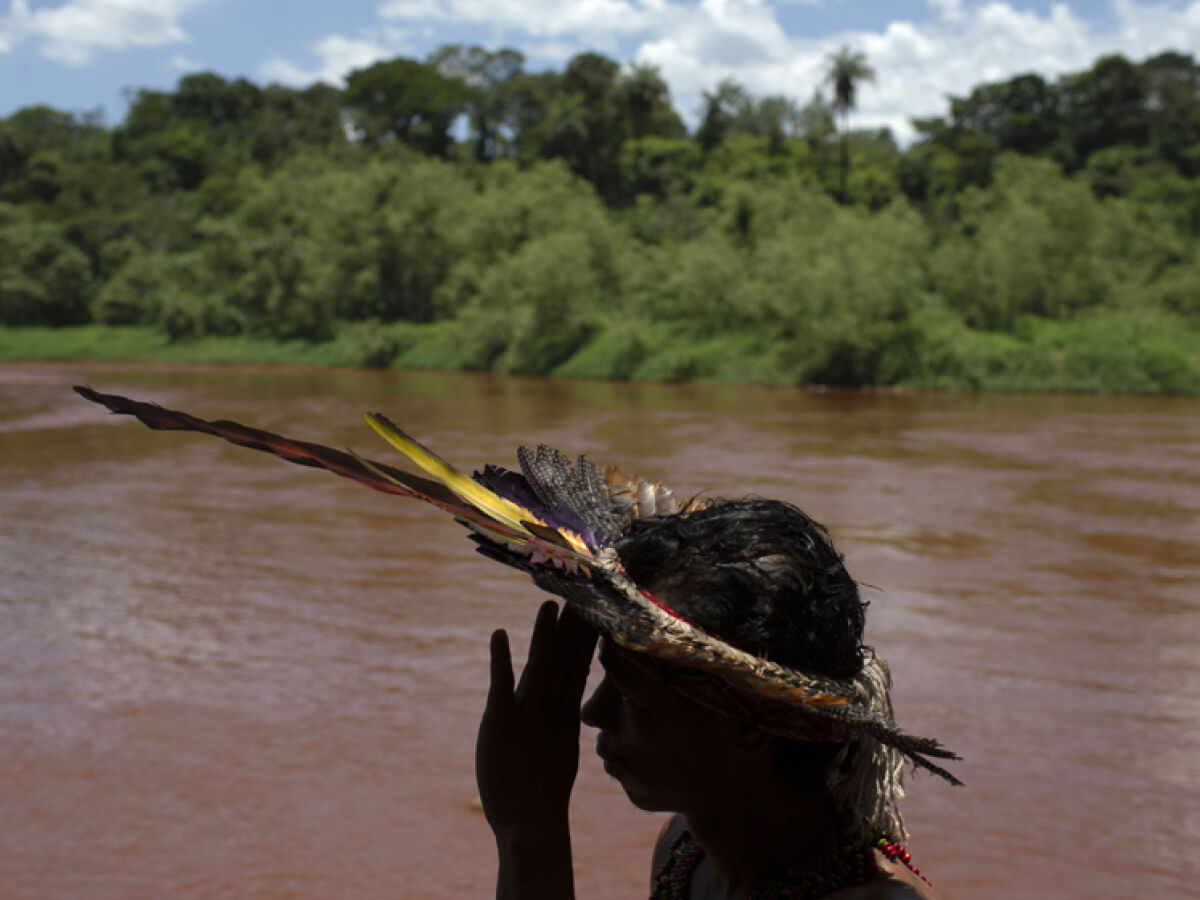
{"points": [[1172, 82], [584, 123], [210, 98], [490, 77], [845, 70], [44, 278], [1021, 114], [815, 125], [647, 103], [722, 108], [1103, 107], [39, 144], [528, 98], [405, 100], [776, 119], [294, 120]]}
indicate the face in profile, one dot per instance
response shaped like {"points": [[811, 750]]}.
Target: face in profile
{"points": [[665, 750]]}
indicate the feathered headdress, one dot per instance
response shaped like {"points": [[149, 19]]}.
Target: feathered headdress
{"points": [[558, 520]]}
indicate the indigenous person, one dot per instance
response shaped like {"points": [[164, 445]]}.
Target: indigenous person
{"points": [[770, 799], [737, 692]]}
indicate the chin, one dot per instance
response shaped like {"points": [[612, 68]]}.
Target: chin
{"points": [[633, 790], [644, 799], [648, 797]]}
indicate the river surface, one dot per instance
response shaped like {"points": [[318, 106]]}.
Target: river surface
{"points": [[225, 676]]}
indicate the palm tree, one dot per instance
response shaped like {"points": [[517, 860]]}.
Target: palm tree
{"points": [[643, 93], [845, 70]]}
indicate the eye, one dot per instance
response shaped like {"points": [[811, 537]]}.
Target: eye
{"points": [[616, 689]]}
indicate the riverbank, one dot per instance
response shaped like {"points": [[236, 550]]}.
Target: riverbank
{"points": [[1103, 356]]}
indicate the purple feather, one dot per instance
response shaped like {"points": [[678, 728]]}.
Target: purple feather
{"points": [[513, 486]]}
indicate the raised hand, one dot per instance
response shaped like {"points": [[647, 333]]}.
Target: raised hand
{"points": [[527, 753]]}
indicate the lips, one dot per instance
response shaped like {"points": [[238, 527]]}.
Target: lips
{"points": [[605, 750]]}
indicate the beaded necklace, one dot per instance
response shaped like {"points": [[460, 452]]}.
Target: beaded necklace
{"points": [[896, 852], [844, 866]]}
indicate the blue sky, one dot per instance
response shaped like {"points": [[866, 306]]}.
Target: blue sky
{"points": [[83, 54]]}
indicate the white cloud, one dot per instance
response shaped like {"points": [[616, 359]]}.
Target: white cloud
{"points": [[950, 10], [338, 55], [1142, 27], [184, 63], [73, 32], [696, 44], [425, 10], [593, 20], [546, 29], [556, 50], [917, 64], [14, 27], [994, 41]]}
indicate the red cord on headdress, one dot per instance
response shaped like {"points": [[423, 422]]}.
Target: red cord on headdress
{"points": [[665, 608]]}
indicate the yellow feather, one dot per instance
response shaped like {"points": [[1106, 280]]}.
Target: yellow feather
{"points": [[476, 524], [468, 489]]}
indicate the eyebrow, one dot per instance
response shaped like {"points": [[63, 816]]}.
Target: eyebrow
{"points": [[614, 666], [620, 668]]}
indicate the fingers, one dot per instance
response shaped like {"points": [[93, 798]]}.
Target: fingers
{"points": [[576, 642], [538, 672], [560, 654], [501, 670], [576, 632]]}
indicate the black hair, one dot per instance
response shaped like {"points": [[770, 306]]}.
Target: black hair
{"points": [[757, 573]]}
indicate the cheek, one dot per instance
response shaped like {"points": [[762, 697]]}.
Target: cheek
{"points": [[647, 737], [676, 740]]}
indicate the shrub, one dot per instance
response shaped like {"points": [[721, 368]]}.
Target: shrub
{"points": [[44, 278]]}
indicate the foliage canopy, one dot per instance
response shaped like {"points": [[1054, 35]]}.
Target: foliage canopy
{"points": [[462, 211]]}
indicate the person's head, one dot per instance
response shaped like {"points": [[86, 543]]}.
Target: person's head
{"points": [[762, 576], [758, 573]]}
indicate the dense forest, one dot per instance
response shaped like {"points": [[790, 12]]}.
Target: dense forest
{"points": [[463, 212]]}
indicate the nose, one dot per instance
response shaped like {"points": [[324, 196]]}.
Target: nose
{"points": [[600, 709]]}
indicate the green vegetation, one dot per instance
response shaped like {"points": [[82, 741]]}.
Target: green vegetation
{"points": [[846, 70], [1042, 235]]}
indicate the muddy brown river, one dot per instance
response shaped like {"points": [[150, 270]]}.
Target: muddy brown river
{"points": [[224, 676]]}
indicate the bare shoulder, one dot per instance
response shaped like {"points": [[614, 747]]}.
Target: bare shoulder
{"points": [[881, 890], [892, 882], [891, 886], [671, 830]]}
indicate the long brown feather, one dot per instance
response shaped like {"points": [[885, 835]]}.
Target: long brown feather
{"points": [[373, 474], [300, 452]]}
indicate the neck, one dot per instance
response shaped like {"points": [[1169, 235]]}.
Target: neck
{"points": [[757, 836]]}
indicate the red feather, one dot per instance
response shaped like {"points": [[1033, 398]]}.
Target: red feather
{"points": [[307, 454]]}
